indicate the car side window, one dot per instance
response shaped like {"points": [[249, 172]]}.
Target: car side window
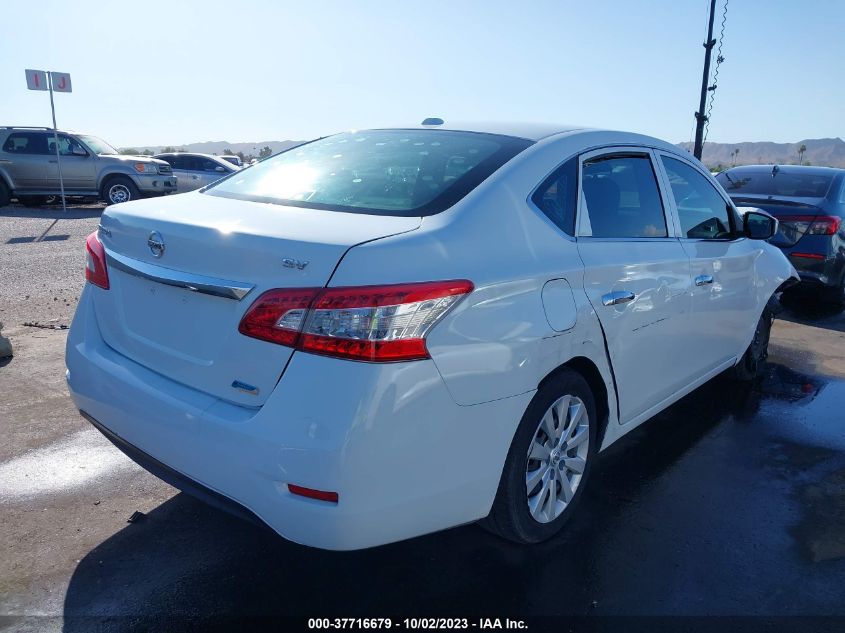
{"points": [[26, 143], [557, 197], [702, 210], [191, 163], [176, 162], [622, 197], [66, 146], [209, 165]]}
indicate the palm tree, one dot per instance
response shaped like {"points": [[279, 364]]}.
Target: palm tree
{"points": [[734, 154], [801, 151]]}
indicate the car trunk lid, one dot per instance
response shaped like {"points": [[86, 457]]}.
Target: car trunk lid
{"points": [[178, 313]]}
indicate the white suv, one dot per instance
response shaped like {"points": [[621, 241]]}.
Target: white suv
{"points": [[389, 332]]}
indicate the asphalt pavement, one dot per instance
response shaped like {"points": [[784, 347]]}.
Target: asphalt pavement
{"points": [[730, 503]]}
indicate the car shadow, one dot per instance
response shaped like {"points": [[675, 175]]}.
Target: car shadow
{"points": [[187, 559], [54, 213], [806, 309]]}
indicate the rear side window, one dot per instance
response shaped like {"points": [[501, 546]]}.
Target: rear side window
{"points": [[26, 143], [175, 162], [557, 197], [775, 183], [622, 197], [702, 210], [382, 172]]}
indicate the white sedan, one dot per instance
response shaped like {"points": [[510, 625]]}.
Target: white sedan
{"points": [[389, 332]]}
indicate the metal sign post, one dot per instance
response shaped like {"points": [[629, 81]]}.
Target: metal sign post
{"points": [[58, 82]]}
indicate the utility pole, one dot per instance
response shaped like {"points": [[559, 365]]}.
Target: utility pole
{"points": [[700, 117]]}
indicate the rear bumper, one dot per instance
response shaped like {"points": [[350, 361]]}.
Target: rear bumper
{"points": [[403, 457], [819, 260]]}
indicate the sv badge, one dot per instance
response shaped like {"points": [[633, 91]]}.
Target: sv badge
{"points": [[290, 262]]}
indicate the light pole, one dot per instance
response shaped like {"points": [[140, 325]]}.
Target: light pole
{"points": [[700, 117]]}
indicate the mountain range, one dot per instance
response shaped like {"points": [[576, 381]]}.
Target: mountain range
{"points": [[820, 151], [829, 152]]}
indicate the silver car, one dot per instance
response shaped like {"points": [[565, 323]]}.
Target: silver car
{"points": [[194, 171], [29, 168]]}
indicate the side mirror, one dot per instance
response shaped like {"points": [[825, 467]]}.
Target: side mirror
{"points": [[221, 169], [759, 225], [78, 151]]}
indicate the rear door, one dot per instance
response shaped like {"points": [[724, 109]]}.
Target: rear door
{"points": [[25, 156], [637, 276], [724, 301]]}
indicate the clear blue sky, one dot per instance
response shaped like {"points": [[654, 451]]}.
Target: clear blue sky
{"points": [[149, 73]]}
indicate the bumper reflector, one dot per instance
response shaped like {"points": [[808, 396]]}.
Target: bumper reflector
{"points": [[320, 495]]}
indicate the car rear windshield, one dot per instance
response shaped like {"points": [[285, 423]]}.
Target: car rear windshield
{"points": [[381, 172], [776, 183]]}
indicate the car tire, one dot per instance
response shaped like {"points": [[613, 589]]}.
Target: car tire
{"points": [[118, 189], [5, 195], [32, 201], [753, 361], [527, 509]]}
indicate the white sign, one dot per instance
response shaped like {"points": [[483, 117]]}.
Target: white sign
{"points": [[36, 79], [61, 82]]}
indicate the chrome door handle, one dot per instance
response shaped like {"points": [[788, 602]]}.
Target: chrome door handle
{"points": [[702, 280], [617, 297]]}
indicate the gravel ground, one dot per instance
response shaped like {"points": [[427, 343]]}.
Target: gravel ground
{"points": [[42, 259]]}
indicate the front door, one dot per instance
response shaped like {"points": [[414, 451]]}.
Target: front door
{"points": [[722, 261], [79, 171], [636, 275]]}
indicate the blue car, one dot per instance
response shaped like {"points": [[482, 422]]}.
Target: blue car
{"points": [[809, 202]]}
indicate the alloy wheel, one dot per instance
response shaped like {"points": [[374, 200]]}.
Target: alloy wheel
{"points": [[557, 458], [119, 193]]}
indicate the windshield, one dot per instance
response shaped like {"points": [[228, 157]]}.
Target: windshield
{"points": [[776, 183], [382, 172], [97, 144]]}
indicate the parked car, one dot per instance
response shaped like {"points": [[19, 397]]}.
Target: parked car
{"points": [[194, 171], [235, 160], [29, 169], [809, 202], [390, 332]]}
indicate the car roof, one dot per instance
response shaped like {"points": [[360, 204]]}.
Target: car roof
{"points": [[787, 169], [531, 131], [186, 154], [539, 131]]}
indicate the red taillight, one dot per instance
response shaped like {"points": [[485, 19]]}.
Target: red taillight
{"points": [[813, 224], [95, 262], [320, 495], [807, 255], [371, 323], [277, 315], [825, 225]]}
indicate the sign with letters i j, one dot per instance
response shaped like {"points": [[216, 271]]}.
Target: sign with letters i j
{"points": [[61, 82], [36, 79]]}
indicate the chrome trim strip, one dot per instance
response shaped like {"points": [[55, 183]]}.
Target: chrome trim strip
{"points": [[195, 283]]}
